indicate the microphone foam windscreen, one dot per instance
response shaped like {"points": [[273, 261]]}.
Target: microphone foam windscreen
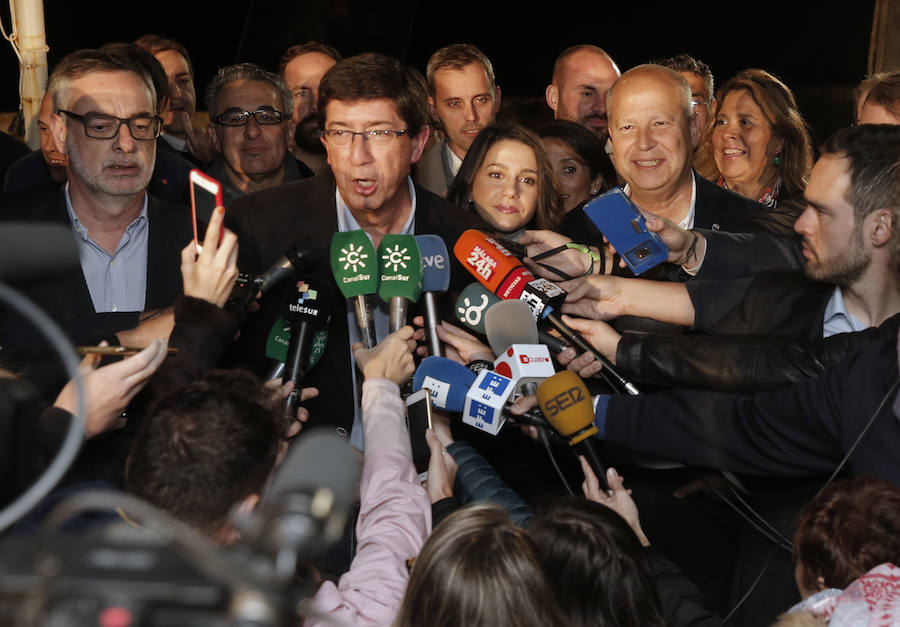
{"points": [[447, 380], [509, 322], [472, 304], [435, 263], [354, 263], [399, 267], [566, 403], [319, 459], [32, 250]]}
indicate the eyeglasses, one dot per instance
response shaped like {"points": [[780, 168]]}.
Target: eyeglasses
{"points": [[698, 102], [102, 126], [379, 137], [240, 118]]}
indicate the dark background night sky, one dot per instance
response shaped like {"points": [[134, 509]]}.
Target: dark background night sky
{"points": [[818, 49]]}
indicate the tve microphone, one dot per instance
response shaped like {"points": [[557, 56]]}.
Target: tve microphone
{"points": [[566, 404], [399, 275], [355, 266], [435, 279], [307, 309], [447, 381], [499, 271], [472, 306]]}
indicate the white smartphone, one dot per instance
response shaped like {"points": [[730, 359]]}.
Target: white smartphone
{"points": [[418, 419], [206, 195]]}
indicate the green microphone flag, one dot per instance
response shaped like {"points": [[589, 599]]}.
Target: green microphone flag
{"points": [[354, 264], [399, 275]]}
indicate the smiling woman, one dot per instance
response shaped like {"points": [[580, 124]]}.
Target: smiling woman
{"points": [[507, 180], [758, 145]]}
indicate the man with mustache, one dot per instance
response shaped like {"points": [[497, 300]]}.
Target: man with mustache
{"points": [[302, 68], [462, 99], [250, 116]]}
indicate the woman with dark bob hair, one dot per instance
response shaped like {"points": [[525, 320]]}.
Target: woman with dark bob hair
{"points": [[478, 568], [582, 167], [758, 145], [506, 179]]}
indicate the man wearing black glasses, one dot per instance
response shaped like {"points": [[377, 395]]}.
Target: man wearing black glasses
{"points": [[250, 111], [373, 118], [106, 121]]}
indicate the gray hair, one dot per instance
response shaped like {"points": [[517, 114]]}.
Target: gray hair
{"points": [[247, 72]]}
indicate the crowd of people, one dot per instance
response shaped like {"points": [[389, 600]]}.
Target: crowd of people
{"points": [[766, 344]]}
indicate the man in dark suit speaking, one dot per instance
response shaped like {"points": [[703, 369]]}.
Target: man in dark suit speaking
{"points": [[373, 120]]}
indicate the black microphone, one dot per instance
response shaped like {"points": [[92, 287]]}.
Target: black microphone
{"points": [[307, 309], [35, 250]]}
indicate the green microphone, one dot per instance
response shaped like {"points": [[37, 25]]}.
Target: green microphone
{"points": [[354, 264], [399, 275]]}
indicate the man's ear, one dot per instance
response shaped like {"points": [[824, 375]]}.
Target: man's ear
{"points": [[291, 127], [58, 131], [884, 227], [552, 96], [419, 142], [496, 98], [432, 109], [214, 137], [694, 123]]}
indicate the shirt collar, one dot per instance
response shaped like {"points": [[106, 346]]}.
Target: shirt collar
{"points": [[175, 142], [453, 161], [688, 222], [836, 310], [346, 221], [81, 231]]}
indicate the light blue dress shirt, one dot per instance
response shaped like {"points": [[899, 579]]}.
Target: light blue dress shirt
{"points": [[837, 319]]}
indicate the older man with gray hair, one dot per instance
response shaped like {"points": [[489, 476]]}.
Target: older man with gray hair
{"points": [[251, 126]]}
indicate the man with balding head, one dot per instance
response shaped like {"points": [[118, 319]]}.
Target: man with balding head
{"points": [[582, 76], [653, 131]]}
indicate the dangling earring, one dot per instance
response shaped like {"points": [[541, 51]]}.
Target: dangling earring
{"points": [[470, 199], [777, 159], [594, 191]]}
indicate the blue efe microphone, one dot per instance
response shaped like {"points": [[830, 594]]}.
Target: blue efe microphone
{"points": [[435, 279], [447, 380]]}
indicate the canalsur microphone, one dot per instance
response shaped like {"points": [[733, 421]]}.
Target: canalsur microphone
{"points": [[446, 380], [566, 404], [355, 267], [399, 276], [472, 306], [499, 271], [277, 347], [435, 280], [307, 308]]}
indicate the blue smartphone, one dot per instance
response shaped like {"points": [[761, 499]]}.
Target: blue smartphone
{"points": [[623, 225]]}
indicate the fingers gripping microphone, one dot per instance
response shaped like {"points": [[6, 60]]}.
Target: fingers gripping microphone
{"points": [[435, 279], [306, 310], [354, 265], [499, 271], [399, 275], [566, 404], [472, 306]]}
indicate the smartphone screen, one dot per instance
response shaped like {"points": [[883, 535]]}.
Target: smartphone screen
{"points": [[206, 195], [418, 419]]}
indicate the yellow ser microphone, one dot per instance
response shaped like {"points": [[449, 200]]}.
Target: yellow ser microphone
{"points": [[566, 404]]}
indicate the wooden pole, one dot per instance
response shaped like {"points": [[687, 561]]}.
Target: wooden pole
{"points": [[31, 43]]}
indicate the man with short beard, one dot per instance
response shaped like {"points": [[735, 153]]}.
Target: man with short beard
{"points": [[106, 122], [302, 68], [582, 76]]}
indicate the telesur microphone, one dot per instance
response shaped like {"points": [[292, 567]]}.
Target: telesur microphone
{"points": [[435, 279], [499, 271], [472, 306], [447, 381], [400, 275], [306, 309], [355, 266], [566, 404]]}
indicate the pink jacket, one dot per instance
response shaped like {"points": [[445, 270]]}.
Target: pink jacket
{"points": [[394, 519]]}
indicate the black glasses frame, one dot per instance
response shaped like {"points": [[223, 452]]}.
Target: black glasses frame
{"points": [[129, 122], [245, 117]]}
